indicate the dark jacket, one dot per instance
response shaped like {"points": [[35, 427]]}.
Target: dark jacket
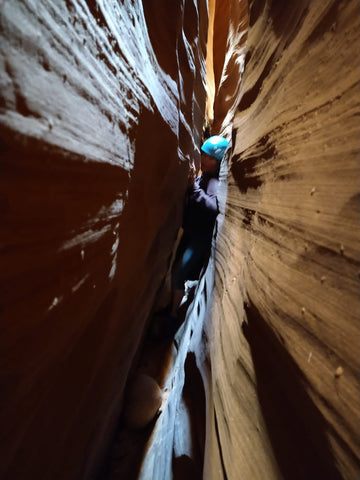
{"points": [[201, 208]]}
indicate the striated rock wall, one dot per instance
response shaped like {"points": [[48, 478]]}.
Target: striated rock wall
{"points": [[176, 447], [102, 109], [229, 48], [281, 362], [226, 47], [274, 324]]}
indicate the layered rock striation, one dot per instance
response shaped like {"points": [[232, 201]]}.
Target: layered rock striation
{"points": [[102, 110], [274, 325], [283, 334], [101, 113]]}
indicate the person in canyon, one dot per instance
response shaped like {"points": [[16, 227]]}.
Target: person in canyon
{"points": [[200, 212]]}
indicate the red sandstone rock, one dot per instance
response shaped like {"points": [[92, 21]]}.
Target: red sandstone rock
{"points": [[291, 232], [99, 121], [278, 351], [98, 104], [143, 400]]}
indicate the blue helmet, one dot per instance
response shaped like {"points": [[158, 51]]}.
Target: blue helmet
{"points": [[215, 146]]}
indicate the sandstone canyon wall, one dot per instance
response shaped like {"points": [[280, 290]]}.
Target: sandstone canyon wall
{"points": [[273, 330], [102, 109], [176, 448], [282, 355]]}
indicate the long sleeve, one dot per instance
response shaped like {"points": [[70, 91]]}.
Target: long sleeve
{"points": [[201, 208], [204, 200]]}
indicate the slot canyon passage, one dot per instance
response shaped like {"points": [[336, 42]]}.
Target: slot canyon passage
{"points": [[103, 108]]}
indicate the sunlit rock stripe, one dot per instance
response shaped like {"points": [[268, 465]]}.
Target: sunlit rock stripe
{"points": [[85, 91]]}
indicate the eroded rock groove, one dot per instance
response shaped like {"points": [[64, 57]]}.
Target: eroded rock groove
{"points": [[102, 111]]}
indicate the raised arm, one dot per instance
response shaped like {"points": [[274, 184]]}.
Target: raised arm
{"points": [[204, 200]]}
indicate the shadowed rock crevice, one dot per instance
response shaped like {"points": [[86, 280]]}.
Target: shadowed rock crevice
{"points": [[194, 399], [296, 428], [190, 465], [250, 96], [244, 173], [219, 443], [248, 170], [328, 23], [157, 13], [229, 49]]}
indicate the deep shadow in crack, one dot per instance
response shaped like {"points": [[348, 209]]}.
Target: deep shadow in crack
{"points": [[194, 398], [125, 458], [184, 467], [244, 173], [296, 428]]}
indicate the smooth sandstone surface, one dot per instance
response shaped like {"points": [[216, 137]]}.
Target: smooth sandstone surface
{"points": [[274, 325], [101, 113], [142, 402], [283, 336], [102, 110]]}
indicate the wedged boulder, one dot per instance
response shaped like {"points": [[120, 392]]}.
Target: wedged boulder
{"points": [[142, 402]]}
